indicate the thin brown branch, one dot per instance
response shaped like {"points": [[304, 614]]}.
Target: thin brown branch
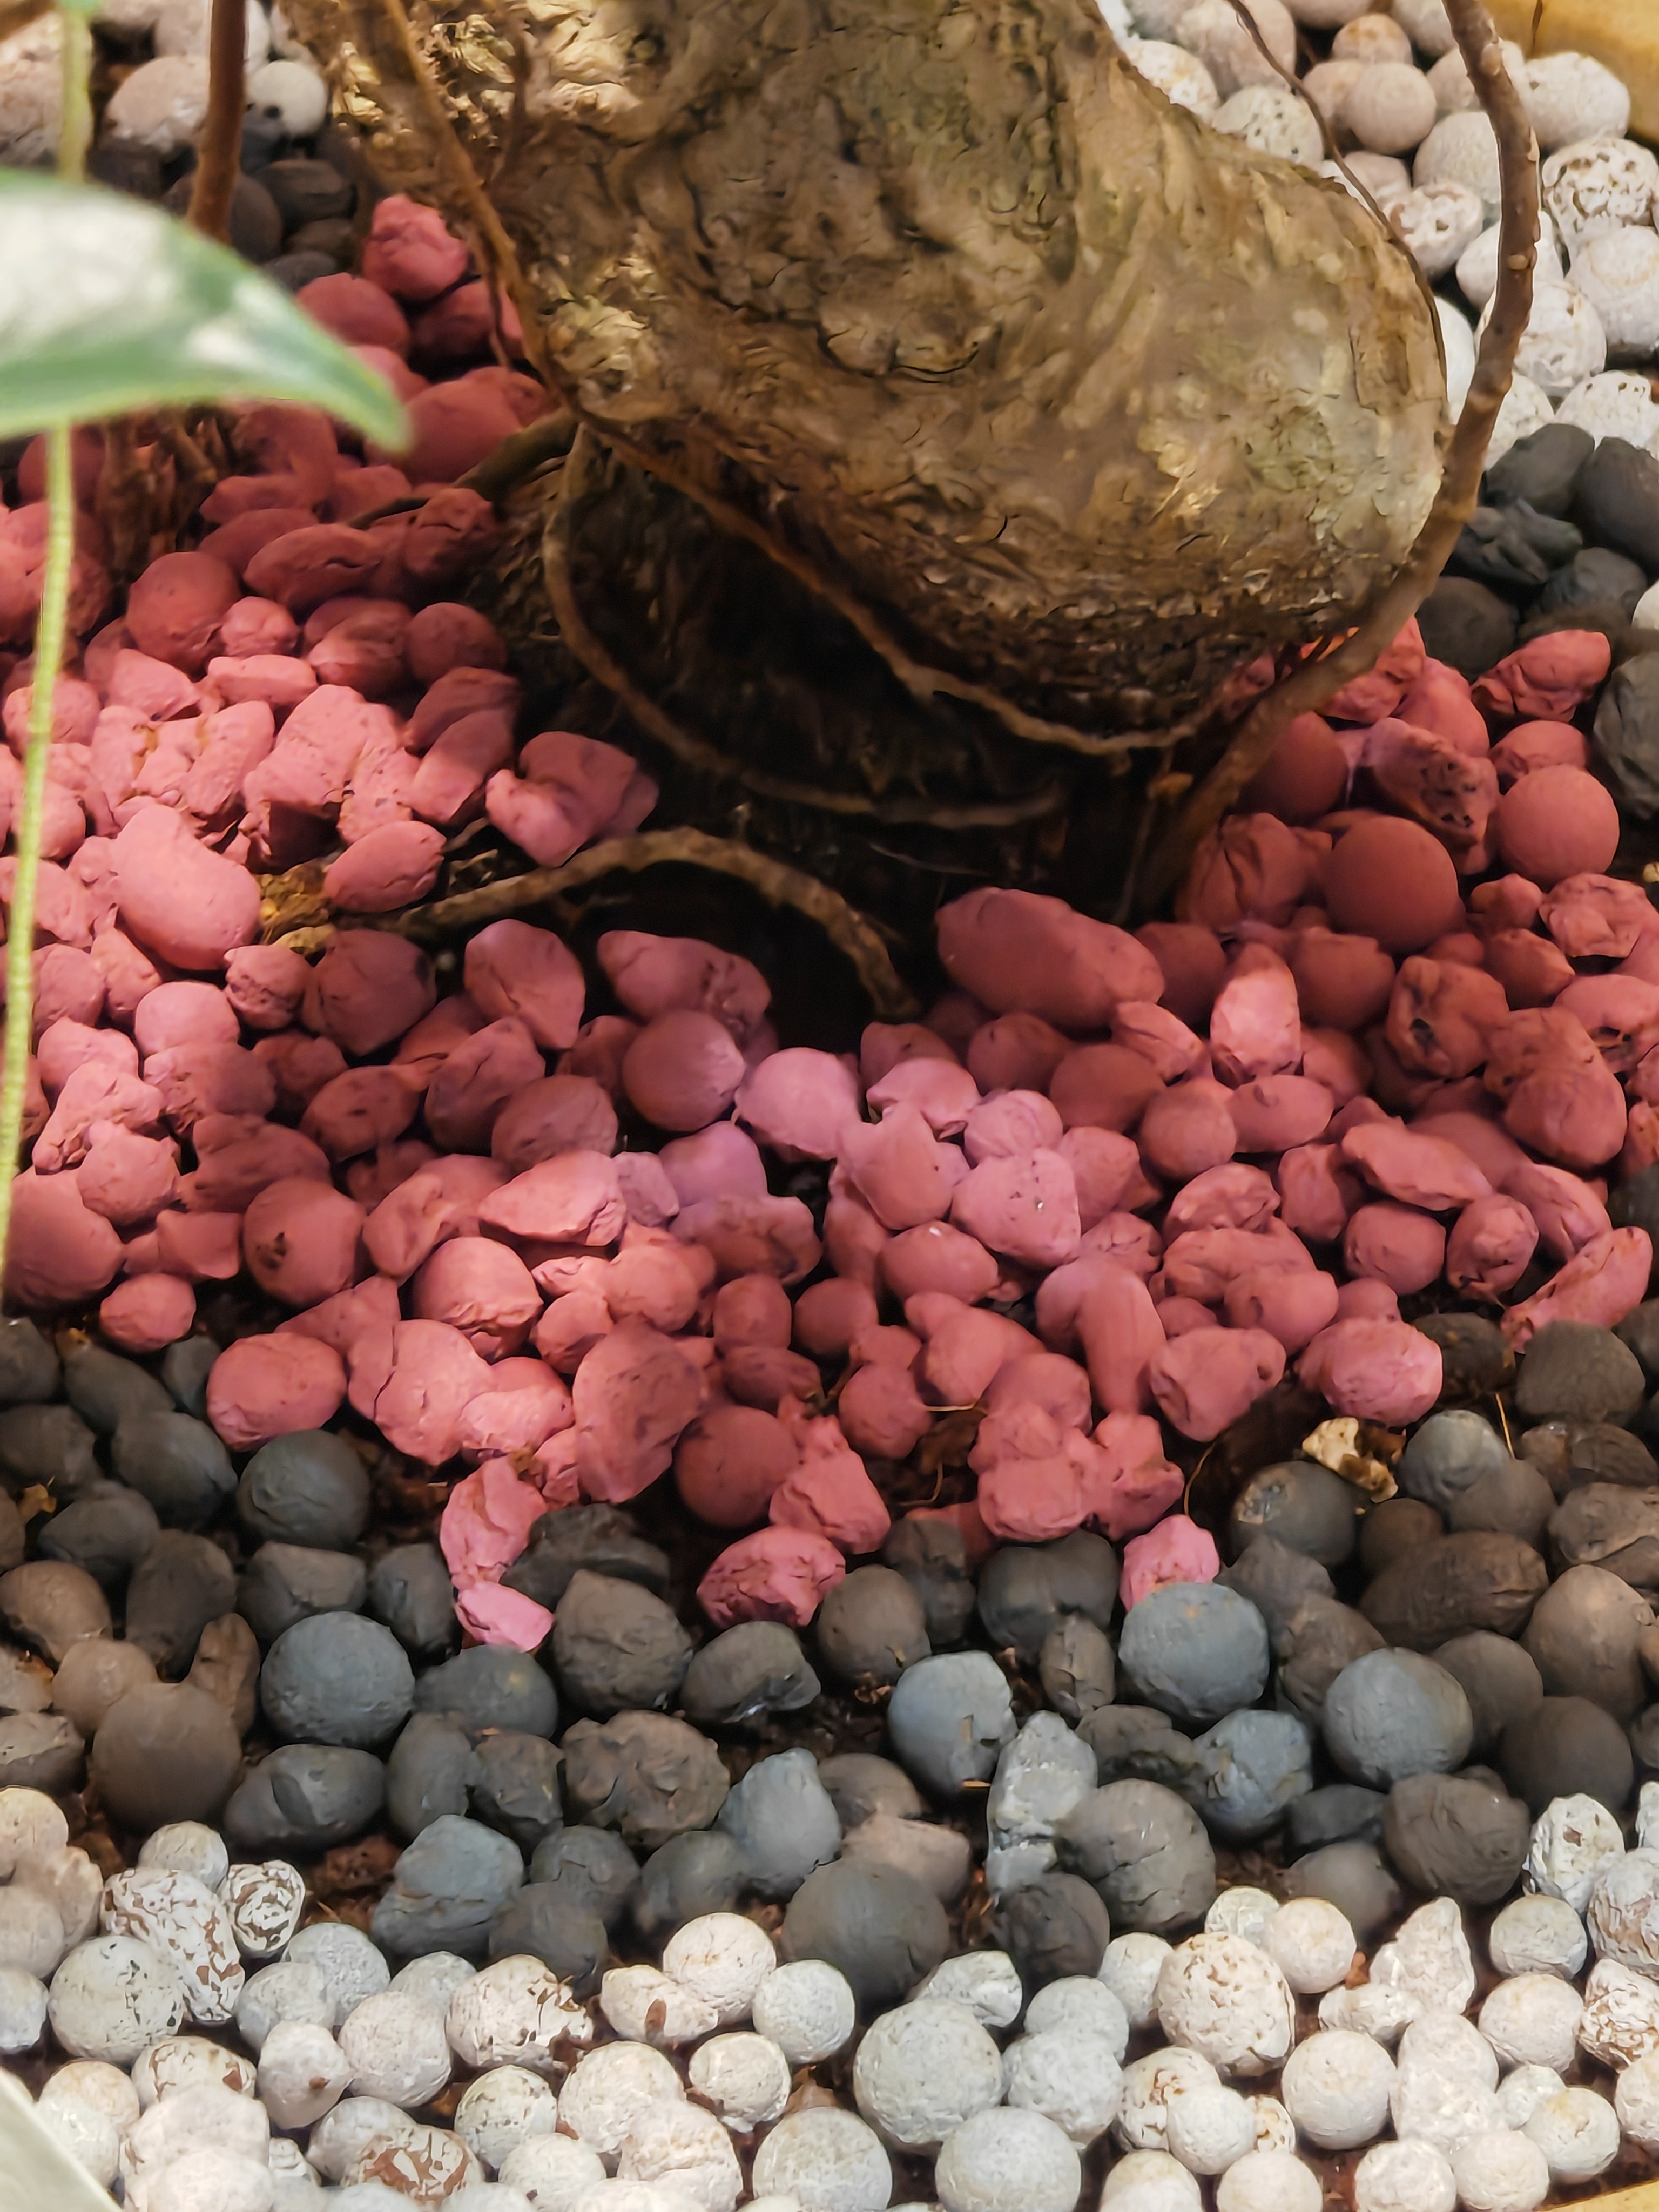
{"points": [[219, 155], [778, 884], [1393, 605], [695, 752]]}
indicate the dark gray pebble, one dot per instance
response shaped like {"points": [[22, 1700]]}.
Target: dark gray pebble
{"points": [[185, 1367], [699, 1872], [1478, 1579], [1321, 1639], [617, 1646], [1396, 1713], [1645, 1736], [491, 1687], [1466, 625], [1615, 500], [1252, 1767], [1277, 1581], [1141, 1744], [1516, 1498], [107, 1532], [1584, 1634], [14, 1541], [1078, 1668], [293, 271], [330, 234], [1640, 1330], [644, 1774], [135, 170], [755, 1668], [591, 1868], [1025, 1588], [1352, 1877], [861, 1785], [286, 1582], [517, 1785], [1446, 1454], [305, 190], [1500, 1680], [1595, 575], [783, 1820], [306, 1797], [546, 1922], [1572, 1372], [1052, 1929], [40, 1751], [1476, 1360], [256, 226], [165, 1752], [1635, 1203], [429, 1772], [601, 1538], [1145, 1851], [948, 1719], [1566, 1746], [446, 1889], [1303, 1507], [1195, 1651], [932, 1557], [870, 1626], [310, 1487], [175, 1461], [1390, 1530], [49, 1445], [1543, 468], [338, 1678], [1605, 1525], [1450, 1835], [883, 1930], [105, 1389], [182, 1582], [29, 1372], [409, 1589], [1339, 1811]]}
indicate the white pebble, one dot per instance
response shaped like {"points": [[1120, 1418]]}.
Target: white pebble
{"points": [[1571, 97], [500, 2109], [31, 98], [1443, 2040], [1404, 2177], [1500, 2171], [1130, 1970], [986, 1981], [1427, 25], [396, 2048], [94, 2081], [293, 90], [1391, 109], [1477, 280], [209, 2180], [1449, 80], [1241, 1911], [723, 1959], [1274, 2128], [188, 2062], [1151, 2181], [1180, 77], [1636, 2101], [32, 1826], [424, 2161], [1538, 1935], [1646, 613], [340, 2136], [1441, 2107], [1623, 1918], [1438, 223], [111, 1997], [1647, 1816], [648, 2006], [265, 1903], [827, 2157], [206, 2118], [293, 1988], [1007, 2161], [552, 2171], [1524, 2090], [353, 1966], [1274, 120], [89, 2135], [1577, 2132], [1573, 1838], [1427, 1967], [1069, 2076], [434, 1979], [1524, 410], [1149, 2084], [515, 2012], [745, 2079], [1226, 1999], [1599, 186], [303, 2073], [922, 2069], [1563, 342], [604, 2093], [1326, 14], [295, 2186], [1269, 2181], [1311, 1944], [1328, 85], [1210, 29], [179, 1915], [1458, 339], [181, 27], [1210, 2129], [1075, 2001], [1621, 2019], [1532, 2020], [161, 106], [1336, 2087], [31, 1931], [1618, 274], [688, 2151], [807, 2009], [1461, 148]]}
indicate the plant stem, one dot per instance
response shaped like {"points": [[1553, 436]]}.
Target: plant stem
{"points": [[220, 154], [75, 123], [19, 943]]}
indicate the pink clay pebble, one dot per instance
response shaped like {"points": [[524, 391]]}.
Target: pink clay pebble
{"points": [[148, 1313], [263, 1386], [300, 1240], [1377, 1369], [777, 1573], [1392, 881], [1177, 1551], [1205, 1380], [1557, 822]]}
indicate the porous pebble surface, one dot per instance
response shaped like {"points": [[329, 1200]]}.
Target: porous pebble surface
{"points": [[462, 1854]]}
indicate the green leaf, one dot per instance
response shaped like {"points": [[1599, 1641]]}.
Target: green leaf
{"points": [[34, 2167], [108, 306]]}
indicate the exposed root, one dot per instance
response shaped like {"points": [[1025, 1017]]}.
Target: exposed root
{"points": [[779, 884], [695, 752], [1323, 673]]}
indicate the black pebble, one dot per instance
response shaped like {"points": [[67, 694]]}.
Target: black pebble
{"points": [[1566, 1746], [306, 191], [755, 1668], [882, 1927], [1303, 1507], [1544, 469], [332, 235], [29, 1372], [1627, 748], [256, 227], [284, 1583], [1319, 1642], [616, 1645], [597, 1537], [547, 1923], [1138, 1743], [185, 1367], [177, 1463], [49, 1445], [180, 1584], [644, 1774], [410, 1590], [1451, 1835], [1024, 1589], [1645, 1736], [1398, 1525], [592, 1868], [516, 1784], [1340, 1811], [293, 271], [870, 1626], [1573, 1371], [861, 1784], [1512, 548], [307, 1488], [1595, 575], [1351, 1876], [1276, 1580], [107, 1531], [1615, 500], [932, 1557], [491, 1687], [1052, 1929], [135, 170], [1466, 625], [1475, 1359], [1640, 1330], [1500, 1680], [1598, 1452], [691, 1874], [429, 1772], [106, 1390], [305, 1798]]}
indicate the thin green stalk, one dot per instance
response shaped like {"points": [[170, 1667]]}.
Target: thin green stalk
{"points": [[75, 125], [19, 943]]}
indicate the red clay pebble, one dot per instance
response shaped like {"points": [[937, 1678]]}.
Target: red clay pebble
{"points": [[682, 1070], [1015, 1052], [1395, 1244], [357, 311], [266, 985], [127, 1177], [1557, 821], [1392, 881], [1253, 867], [573, 1199], [1103, 1086], [391, 867], [410, 251], [1440, 1015], [480, 1288], [1567, 1211], [360, 1110], [561, 1114], [901, 1171], [937, 1256], [190, 906], [634, 1395], [1377, 1370], [263, 1386], [301, 1239], [148, 1313], [1205, 1380], [1192, 964], [450, 634], [455, 426], [174, 608], [799, 1103], [415, 1380], [325, 561], [1016, 949], [777, 1573], [368, 988], [1492, 1242], [183, 1013], [1367, 698], [1533, 745], [1187, 1129], [1306, 774], [1548, 677], [944, 1094], [61, 1253], [1601, 1284]]}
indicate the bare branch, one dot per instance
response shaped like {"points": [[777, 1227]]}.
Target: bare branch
{"points": [[219, 155]]}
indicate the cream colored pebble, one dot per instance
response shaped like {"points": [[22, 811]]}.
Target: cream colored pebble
{"points": [[1370, 39]]}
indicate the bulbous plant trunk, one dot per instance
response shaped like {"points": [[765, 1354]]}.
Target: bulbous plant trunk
{"points": [[1061, 405]]}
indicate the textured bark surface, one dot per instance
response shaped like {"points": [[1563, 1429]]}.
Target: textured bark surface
{"points": [[1084, 401]]}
